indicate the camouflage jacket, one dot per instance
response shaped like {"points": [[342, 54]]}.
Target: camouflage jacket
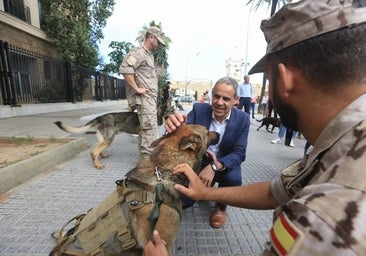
{"points": [[322, 197], [140, 62]]}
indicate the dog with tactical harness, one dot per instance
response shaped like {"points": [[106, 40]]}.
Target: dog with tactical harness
{"points": [[143, 201]]}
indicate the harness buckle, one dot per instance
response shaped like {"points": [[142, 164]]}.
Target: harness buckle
{"points": [[158, 174]]}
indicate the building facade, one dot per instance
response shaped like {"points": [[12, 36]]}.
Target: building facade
{"points": [[234, 69], [20, 26]]}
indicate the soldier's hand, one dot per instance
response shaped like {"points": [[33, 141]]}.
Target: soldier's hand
{"points": [[196, 189], [158, 247], [142, 90]]}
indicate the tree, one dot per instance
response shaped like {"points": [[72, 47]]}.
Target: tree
{"points": [[117, 55], [273, 4], [76, 28]]}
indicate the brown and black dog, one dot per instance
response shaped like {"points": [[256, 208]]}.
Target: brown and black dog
{"points": [[106, 126], [126, 226], [267, 121]]}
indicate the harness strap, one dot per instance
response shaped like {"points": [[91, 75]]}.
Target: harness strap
{"points": [[159, 199]]}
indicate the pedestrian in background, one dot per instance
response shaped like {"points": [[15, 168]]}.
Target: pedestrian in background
{"points": [[138, 69], [264, 104], [252, 104], [245, 91], [270, 108], [166, 92], [281, 135]]}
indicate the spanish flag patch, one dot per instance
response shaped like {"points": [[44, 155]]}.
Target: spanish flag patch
{"points": [[285, 235]]}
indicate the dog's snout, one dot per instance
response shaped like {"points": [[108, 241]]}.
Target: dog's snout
{"points": [[214, 137]]}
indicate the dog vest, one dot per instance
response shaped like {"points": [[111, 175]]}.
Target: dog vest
{"points": [[105, 229]]}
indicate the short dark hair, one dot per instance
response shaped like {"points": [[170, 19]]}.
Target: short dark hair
{"points": [[330, 60]]}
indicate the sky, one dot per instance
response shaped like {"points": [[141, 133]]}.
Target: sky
{"points": [[204, 34]]}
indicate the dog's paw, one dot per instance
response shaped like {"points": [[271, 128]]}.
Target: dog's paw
{"points": [[99, 166]]}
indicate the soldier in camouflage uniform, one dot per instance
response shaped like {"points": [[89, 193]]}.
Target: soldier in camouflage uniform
{"points": [[315, 64], [138, 69]]}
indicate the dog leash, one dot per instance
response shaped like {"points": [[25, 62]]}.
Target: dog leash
{"points": [[159, 199]]}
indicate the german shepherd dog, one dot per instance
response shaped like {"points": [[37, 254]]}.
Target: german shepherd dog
{"points": [[106, 126], [266, 121], [136, 199]]}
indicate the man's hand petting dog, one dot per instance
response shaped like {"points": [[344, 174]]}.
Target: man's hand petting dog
{"points": [[207, 174], [174, 121]]}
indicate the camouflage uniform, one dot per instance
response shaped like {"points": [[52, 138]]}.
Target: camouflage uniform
{"points": [[322, 197], [141, 63]]}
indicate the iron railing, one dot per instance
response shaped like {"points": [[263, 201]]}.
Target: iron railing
{"points": [[27, 77]]}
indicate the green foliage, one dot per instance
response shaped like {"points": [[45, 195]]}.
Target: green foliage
{"points": [[99, 12], [49, 91], [21, 140], [161, 55], [120, 49], [271, 3], [76, 28]]}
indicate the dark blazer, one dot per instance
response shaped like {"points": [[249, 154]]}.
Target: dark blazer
{"points": [[234, 142]]}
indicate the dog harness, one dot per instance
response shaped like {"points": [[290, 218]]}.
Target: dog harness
{"points": [[110, 220]]}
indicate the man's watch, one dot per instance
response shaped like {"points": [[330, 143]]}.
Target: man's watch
{"points": [[215, 169]]}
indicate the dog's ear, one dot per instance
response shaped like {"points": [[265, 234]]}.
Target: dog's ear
{"points": [[193, 142]]}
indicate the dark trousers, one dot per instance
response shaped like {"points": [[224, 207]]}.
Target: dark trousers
{"points": [[245, 102], [270, 109], [252, 106]]}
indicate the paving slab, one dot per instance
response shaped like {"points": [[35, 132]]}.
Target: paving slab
{"points": [[42, 204]]}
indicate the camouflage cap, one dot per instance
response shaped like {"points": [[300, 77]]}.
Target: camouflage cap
{"points": [[306, 19], [157, 32]]}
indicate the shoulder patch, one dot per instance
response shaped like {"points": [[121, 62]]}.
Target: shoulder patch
{"points": [[131, 60], [285, 236]]}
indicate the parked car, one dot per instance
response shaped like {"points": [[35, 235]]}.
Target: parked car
{"points": [[177, 98], [188, 99]]}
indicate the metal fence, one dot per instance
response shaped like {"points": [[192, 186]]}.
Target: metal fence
{"points": [[27, 77]]}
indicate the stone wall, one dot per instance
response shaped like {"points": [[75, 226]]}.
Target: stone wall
{"points": [[27, 41]]}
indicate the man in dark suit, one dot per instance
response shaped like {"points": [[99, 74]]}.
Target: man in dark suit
{"points": [[233, 125]]}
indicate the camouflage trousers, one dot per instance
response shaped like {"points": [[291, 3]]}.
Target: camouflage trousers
{"points": [[147, 112]]}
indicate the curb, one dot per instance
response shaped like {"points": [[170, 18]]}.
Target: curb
{"points": [[17, 173]]}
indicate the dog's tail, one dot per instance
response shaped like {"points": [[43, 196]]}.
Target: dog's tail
{"points": [[259, 120], [73, 129]]}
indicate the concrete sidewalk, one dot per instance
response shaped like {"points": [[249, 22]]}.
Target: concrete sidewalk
{"points": [[40, 206], [42, 126]]}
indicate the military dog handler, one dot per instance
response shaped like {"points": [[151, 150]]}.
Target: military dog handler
{"points": [[138, 69]]}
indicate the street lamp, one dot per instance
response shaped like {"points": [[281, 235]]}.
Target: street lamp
{"points": [[187, 61], [246, 47]]}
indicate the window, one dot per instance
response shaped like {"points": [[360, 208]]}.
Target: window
{"points": [[18, 9]]}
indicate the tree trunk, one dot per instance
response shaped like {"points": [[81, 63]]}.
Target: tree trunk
{"points": [[273, 10]]}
